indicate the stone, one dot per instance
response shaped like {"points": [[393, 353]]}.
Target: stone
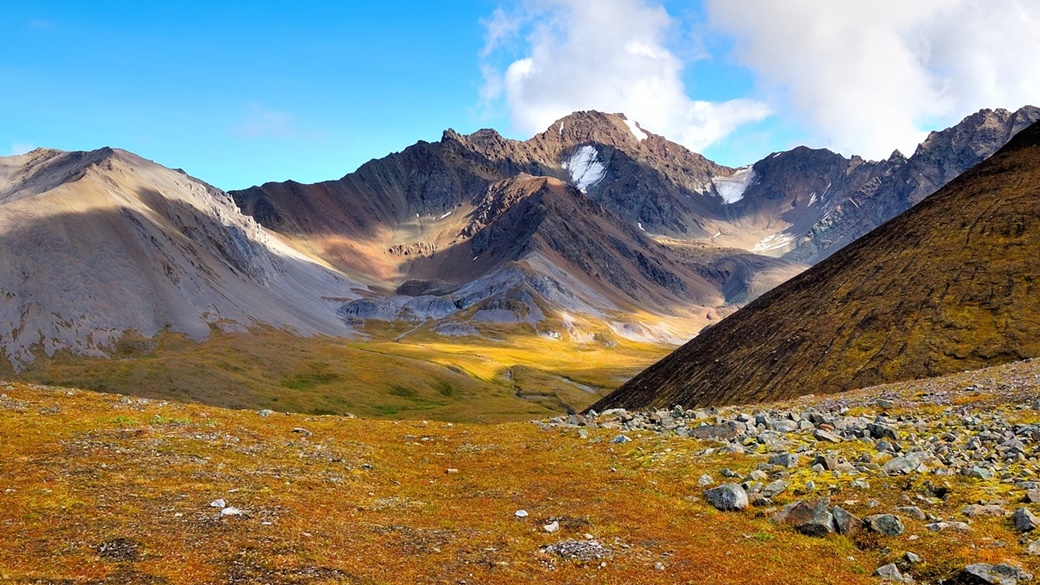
{"points": [[984, 511], [889, 572], [942, 526], [621, 440], [1025, 521], [1033, 496], [1033, 548], [774, 489], [884, 524], [979, 473], [905, 464], [987, 574], [882, 431], [714, 432], [784, 460], [783, 426], [218, 503], [845, 523], [912, 558], [520, 513], [912, 512], [266, 412], [231, 511], [834, 462], [827, 436], [727, 497], [810, 517], [552, 526], [705, 480], [758, 475], [884, 403]]}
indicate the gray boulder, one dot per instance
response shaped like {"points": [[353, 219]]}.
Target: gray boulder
{"points": [[889, 572], [986, 574], [784, 460], [1025, 521], [884, 524], [845, 523], [728, 496]]}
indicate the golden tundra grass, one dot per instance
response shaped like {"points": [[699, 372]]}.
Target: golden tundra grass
{"points": [[509, 374], [101, 488]]}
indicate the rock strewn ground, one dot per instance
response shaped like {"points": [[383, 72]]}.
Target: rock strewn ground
{"points": [[976, 433]]}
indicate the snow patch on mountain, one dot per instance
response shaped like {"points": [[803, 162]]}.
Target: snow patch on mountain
{"points": [[585, 168], [732, 188], [773, 242], [636, 130]]}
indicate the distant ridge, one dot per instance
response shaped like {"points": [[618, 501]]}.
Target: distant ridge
{"points": [[953, 284]]}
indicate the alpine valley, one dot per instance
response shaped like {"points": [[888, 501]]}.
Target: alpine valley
{"points": [[474, 278]]}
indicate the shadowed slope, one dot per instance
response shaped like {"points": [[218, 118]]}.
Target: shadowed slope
{"points": [[948, 286]]}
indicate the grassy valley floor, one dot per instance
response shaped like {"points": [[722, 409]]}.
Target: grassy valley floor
{"points": [[508, 374]]}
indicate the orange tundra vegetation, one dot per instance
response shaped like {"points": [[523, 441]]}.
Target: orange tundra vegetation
{"points": [[106, 488]]}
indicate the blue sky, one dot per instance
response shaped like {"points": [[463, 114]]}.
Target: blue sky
{"points": [[242, 93]]}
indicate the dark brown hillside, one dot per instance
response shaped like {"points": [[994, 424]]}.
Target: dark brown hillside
{"points": [[950, 285]]}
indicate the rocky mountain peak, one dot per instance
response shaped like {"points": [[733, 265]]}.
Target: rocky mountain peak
{"points": [[592, 127]]}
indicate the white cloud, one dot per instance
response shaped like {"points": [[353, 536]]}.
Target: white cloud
{"points": [[21, 148], [867, 77], [609, 55]]}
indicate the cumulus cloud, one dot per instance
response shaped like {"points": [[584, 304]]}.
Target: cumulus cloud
{"points": [[867, 77], [609, 55]]}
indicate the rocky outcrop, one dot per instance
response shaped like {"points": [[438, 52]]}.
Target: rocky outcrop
{"points": [[865, 200]]}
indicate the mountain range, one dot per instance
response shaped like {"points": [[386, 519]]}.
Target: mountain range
{"points": [[595, 231], [600, 218], [948, 286]]}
